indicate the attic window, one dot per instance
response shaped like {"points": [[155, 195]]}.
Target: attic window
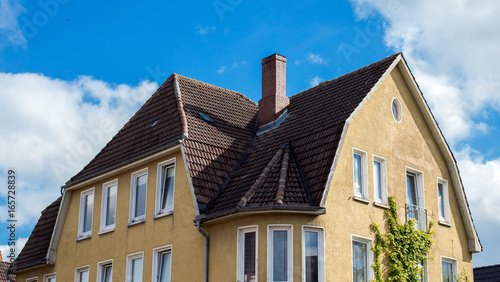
{"points": [[206, 118], [154, 123], [397, 113]]}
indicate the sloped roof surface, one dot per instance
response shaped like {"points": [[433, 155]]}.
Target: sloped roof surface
{"points": [[3, 274], [313, 128], [140, 136], [35, 250], [213, 150], [489, 273]]}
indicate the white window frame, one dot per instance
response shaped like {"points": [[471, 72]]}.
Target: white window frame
{"points": [[321, 250], [369, 255], [46, 277], [419, 185], [100, 268], [81, 216], [240, 267], [104, 206], [383, 180], [453, 263], [426, 271], [279, 227], [158, 211], [364, 195], [130, 258], [32, 279], [446, 201], [156, 254], [133, 186], [80, 269]]}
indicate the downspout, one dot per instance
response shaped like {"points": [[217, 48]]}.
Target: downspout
{"points": [[206, 249]]}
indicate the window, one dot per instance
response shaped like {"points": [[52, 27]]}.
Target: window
{"points": [[33, 279], [134, 267], [361, 259], [279, 262], [397, 113], [165, 187], [423, 266], [105, 271], [247, 254], [108, 205], [162, 259], [414, 199], [138, 191], [359, 169], [448, 269], [82, 274], [86, 211], [443, 201], [313, 246], [49, 277], [380, 179]]}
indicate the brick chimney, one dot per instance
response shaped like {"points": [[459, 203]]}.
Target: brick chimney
{"points": [[274, 99]]}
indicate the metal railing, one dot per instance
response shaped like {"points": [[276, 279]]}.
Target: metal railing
{"points": [[419, 214]]}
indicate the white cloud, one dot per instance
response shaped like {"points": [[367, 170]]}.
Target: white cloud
{"points": [[204, 30], [221, 69], [315, 81], [316, 59], [52, 128], [10, 33], [5, 249]]}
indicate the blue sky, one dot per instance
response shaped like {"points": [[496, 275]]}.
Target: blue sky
{"points": [[68, 68]]}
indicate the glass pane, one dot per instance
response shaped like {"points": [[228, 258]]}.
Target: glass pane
{"points": [[357, 173], [52, 280], [280, 255], [167, 197], [107, 273], [249, 257], [447, 272], [359, 263], [164, 267], [84, 276], [137, 270], [411, 192], [111, 206], [89, 206], [441, 200], [377, 179], [311, 253], [140, 196]]}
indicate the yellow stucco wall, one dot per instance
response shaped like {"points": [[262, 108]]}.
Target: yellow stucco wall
{"points": [[408, 143], [176, 229]]}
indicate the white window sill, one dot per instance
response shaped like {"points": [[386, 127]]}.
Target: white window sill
{"points": [[106, 231], [381, 205], [444, 222], [164, 213], [361, 199], [135, 222], [81, 238]]}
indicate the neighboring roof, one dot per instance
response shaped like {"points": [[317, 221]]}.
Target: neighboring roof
{"points": [[3, 272], [35, 250], [489, 273]]}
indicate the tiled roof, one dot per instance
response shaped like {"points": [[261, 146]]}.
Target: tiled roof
{"points": [[225, 157], [3, 274], [487, 273], [35, 251]]}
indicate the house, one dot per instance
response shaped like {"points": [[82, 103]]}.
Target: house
{"points": [[490, 273], [203, 184], [4, 276]]}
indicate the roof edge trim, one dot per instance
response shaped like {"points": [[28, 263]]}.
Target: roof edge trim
{"points": [[58, 226], [190, 181]]}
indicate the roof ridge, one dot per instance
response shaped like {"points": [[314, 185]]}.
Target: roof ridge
{"points": [[280, 194], [347, 74], [218, 87], [487, 266], [180, 108]]}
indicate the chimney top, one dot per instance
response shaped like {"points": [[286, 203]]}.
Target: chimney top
{"points": [[274, 100]]}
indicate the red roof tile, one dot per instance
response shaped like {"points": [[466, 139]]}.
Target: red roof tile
{"points": [[3, 272]]}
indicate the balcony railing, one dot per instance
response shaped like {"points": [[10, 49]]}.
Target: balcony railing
{"points": [[419, 214]]}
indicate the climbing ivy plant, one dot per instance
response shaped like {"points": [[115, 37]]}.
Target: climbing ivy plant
{"points": [[404, 246]]}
